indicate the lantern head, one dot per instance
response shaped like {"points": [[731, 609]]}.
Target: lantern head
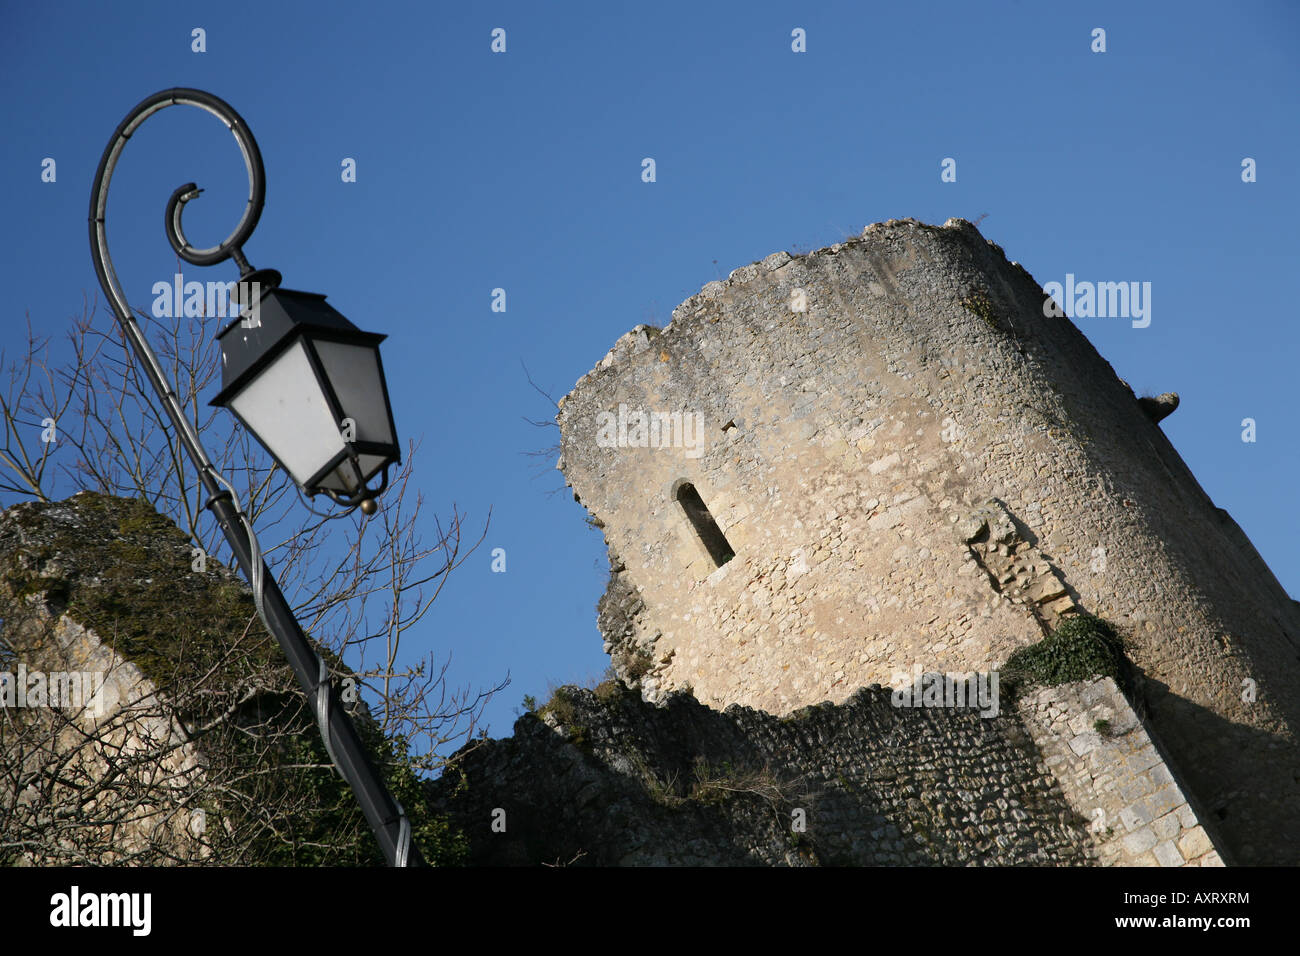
{"points": [[310, 387]]}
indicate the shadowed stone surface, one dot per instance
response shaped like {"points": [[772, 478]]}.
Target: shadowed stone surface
{"points": [[620, 781]]}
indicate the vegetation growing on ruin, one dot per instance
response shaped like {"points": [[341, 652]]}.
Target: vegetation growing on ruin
{"points": [[637, 664], [563, 710], [1082, 647]]}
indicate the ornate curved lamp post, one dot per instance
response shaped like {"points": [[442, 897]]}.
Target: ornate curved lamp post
{"points": [[310, 387]]}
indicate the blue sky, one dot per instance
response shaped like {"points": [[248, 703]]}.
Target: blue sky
{"points": [[522, 170]]}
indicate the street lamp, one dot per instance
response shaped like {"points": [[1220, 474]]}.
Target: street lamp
{"points": [[310, 387]]}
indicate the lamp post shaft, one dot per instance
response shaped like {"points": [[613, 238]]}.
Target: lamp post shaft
{"points": [[381, 811]]}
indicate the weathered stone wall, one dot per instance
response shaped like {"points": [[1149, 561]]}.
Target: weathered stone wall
{"points": [[148, 811], [110, 775], [620, 781], [605, 778], [1111, 772], [199, 746], [844, 444]]}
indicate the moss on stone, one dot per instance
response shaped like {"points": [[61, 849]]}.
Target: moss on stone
{"points": [[978, 303], [124, 571]]}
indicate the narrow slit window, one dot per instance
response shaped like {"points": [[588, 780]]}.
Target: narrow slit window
{"points": [[710, 535]]}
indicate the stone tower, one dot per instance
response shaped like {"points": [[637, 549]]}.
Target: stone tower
{"points": [[885, 457]]}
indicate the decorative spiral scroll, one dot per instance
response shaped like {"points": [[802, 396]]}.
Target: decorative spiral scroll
{"points": [[232, 247]]}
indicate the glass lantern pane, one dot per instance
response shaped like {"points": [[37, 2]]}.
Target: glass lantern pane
{"points": [[343, 478], [353, 370], [286, 410], [370, 464]]}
